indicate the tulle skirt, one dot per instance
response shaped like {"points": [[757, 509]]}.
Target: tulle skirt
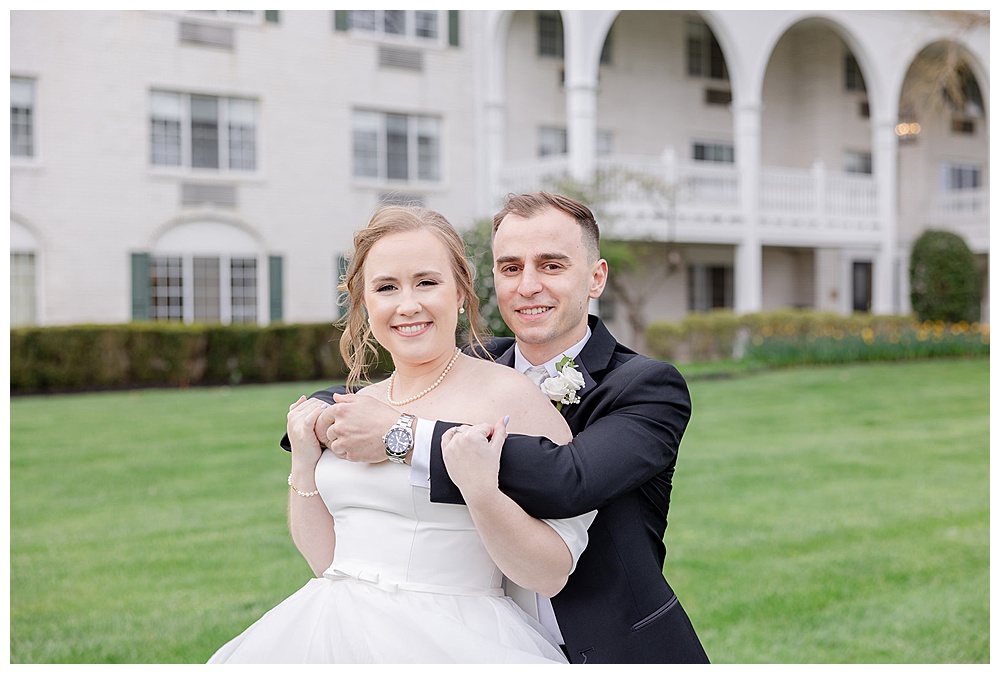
{"points": [[349, 621]]}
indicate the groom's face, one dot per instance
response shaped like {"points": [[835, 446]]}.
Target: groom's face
{"points": [[545, 277]]}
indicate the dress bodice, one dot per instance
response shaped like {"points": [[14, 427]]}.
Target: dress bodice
{"points": [[389, 533]]}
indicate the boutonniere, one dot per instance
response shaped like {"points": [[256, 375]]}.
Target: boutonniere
{"points": [[562, 388]]}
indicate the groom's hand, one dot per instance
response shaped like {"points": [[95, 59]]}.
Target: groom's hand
{"points": [[354, 427]]}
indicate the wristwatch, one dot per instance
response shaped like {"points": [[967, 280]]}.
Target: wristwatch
{"points": [[399, 440]]}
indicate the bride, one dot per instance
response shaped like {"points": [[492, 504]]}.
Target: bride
{"points": [[398, 578]]}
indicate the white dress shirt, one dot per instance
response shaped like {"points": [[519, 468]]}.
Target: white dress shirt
{"points": [[572, 530]]}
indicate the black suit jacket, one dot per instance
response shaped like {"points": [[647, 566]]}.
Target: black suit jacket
{"points": [[617, 607]]}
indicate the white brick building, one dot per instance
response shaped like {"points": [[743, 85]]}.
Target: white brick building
{"points": [[205, 166]]}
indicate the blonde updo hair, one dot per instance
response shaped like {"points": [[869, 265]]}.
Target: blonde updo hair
{"points": [[357, 344]]}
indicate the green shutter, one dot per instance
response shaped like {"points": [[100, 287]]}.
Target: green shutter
{"points": [[340, 19], [271, 15], [140, 286], [275, 279], [453, 27]]}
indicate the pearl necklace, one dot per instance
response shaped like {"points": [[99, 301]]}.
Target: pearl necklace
{"points": [[427, 390]]}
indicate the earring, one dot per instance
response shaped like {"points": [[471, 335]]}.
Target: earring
{"points": [[461, 310]]}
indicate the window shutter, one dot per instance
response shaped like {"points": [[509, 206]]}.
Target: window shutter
{"points": [[453, 27], [140, 286], [271, 15], [340, 19], [275, 277]]}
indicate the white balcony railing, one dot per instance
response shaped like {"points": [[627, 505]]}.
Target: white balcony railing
{"points": [[701, 201]]}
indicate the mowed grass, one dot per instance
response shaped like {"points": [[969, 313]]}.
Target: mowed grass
{"points": [[832, 514]]}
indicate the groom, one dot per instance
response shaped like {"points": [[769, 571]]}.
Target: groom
{"points": [[616, 606]]}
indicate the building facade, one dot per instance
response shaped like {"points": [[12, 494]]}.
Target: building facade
{"points": [[211, 166]]}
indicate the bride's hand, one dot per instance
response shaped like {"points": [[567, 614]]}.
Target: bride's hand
{"points": [[472, 456], [302, 415]]}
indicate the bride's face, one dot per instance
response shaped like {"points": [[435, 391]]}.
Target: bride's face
{"points": [[411, 296]]}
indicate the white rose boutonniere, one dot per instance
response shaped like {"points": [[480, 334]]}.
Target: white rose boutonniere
{"points": [[562, 388]]}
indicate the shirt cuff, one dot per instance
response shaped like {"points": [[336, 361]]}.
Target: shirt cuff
{"points": [[420, 459]]}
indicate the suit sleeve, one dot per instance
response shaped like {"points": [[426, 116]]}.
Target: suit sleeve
{"points": [[637, 417], [326, 395]]}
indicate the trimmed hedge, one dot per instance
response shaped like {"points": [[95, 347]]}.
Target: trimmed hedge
{"points": [[944, 282], [800, 336], [97, 357]]}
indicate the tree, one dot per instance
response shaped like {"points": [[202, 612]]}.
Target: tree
{"points": [[477, 242], [944, 281]]}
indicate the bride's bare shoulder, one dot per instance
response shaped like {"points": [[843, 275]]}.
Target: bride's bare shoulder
{"points": [[493, 374]]}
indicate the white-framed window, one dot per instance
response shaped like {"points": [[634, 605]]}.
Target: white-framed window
{"points": [[230, 15], [960, 176], [203, 132], [420, 24], [22, 117], [714, 151], [397, 147], [857, 162], [704, 54], [551, 141], [550, 34], [203, 288], [853, 78], [605, 144], [710, 287], [23, 289]]}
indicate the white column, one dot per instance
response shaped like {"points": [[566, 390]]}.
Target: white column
{"points": [[885, 165], [581, 126], [747, 270]]}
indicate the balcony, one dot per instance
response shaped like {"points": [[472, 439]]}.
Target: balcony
{"points": [[964, 212], [701, 202]]}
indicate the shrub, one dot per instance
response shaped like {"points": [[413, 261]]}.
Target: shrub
{"points": [[93, 357], [944, 282], [794, 336]]}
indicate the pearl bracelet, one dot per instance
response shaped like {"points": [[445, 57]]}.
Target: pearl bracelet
{"points": [[306, 494]]}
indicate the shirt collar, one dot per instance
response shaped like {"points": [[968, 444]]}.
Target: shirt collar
{"points": [[521, 363]]}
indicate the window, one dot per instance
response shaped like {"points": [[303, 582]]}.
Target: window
{"points": [[550, 34], [397, 147], [203, 289], [252, 15], [551, 140], [857, 162], [713, 151], [853, 79], [710, 287], [23, 294], [423, 24], [22, 117], [960, 176], [605, 144], [704, 54], [203, 132], [165, 285]]}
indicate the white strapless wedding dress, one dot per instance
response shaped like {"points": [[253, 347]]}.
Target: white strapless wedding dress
{"points": [[410, 583]]}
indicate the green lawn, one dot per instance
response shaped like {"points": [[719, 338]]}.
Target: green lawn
{"points": [[834, 514]]}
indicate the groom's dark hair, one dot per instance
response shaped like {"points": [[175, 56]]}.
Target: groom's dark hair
{"points": [[527, 205]]}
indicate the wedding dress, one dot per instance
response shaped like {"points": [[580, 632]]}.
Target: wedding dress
{"points": [[411, 582]]}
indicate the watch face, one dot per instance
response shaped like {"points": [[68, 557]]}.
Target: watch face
{"points": [[397, 441]]}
